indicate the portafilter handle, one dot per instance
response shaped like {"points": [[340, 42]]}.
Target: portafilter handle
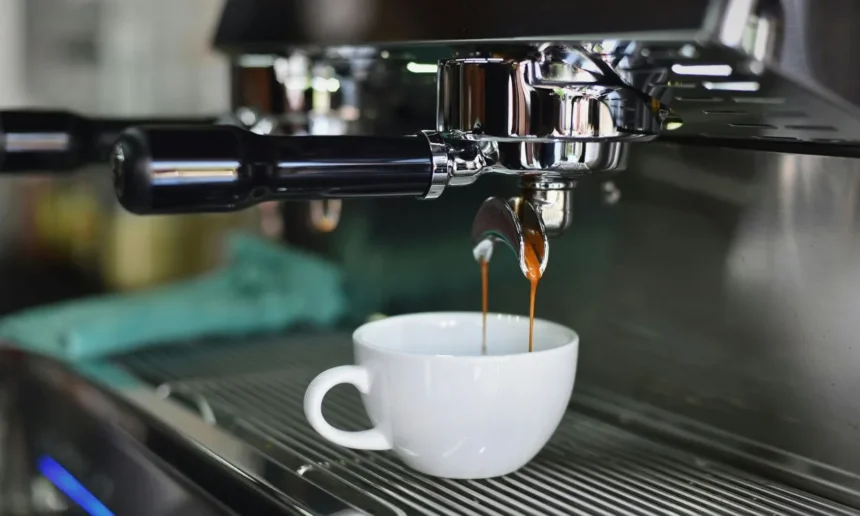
{"points": [[33, 140], [172, 169]]}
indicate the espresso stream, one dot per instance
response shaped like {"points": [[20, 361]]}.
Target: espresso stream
{"points": [[533, 274], [485, 282]]}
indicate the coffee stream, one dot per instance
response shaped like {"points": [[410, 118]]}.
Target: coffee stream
{"points": [[533, 274], [485, 283], [532, 240]]}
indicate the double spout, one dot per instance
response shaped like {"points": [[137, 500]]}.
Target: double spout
{"points": [[514, 224]]}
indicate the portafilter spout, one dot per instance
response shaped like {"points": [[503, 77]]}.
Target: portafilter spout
{"points": [[514, 223]]}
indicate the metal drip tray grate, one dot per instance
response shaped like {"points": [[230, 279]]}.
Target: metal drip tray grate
{"points": [[589, 467]]}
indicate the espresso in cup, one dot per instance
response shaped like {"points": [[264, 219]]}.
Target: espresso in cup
{"points": [[444, 405]]}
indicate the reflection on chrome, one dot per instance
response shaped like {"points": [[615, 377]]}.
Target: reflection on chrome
{"points": [[179, 173]]}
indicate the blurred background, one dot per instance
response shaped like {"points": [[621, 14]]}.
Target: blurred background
{"points": [[63, 237]]}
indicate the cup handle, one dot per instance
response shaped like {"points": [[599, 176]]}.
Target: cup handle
{"points": [[373, 439]]}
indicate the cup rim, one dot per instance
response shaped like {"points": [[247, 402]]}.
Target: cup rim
{"points": [[572, 338]]}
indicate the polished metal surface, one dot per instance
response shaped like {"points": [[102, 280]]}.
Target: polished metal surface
{"points": [[733, 69], [256, 388], [558, 93], [727, 290], [552, 201], [554, 160], [516, 225], [702, 91], [467, 161], [440, 172], [553, 108]]}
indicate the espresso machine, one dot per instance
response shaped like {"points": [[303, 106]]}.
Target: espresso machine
{"points": [[691, 164]]}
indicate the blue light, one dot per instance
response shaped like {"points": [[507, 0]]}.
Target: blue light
{"points": [[69, 485]]}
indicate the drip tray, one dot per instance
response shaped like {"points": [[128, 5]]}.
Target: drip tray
{"points": [[255, 389]]}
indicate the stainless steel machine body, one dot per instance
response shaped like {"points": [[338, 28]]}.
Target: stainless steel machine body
{"points": [[707, 254]]}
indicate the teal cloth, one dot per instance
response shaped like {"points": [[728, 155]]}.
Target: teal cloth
{"points": [[264, 287]]}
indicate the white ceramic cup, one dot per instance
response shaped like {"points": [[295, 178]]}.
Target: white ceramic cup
{"points": [[444, 408]]}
